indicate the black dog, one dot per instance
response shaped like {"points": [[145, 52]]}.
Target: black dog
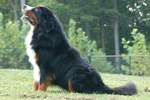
{"points": [[56, 61]]}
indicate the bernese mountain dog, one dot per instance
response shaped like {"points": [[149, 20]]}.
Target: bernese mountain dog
{"points": [[56, 61]]}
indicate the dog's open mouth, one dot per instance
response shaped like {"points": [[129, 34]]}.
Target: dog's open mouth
{"points": [[28, 18]]}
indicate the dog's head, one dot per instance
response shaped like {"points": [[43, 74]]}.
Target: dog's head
{"points": [[38, 15]]}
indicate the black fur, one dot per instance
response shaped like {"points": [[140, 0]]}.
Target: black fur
{"points": [[57, 56]]}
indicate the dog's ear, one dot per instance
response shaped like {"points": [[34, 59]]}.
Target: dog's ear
{"points": [[49, 25]]}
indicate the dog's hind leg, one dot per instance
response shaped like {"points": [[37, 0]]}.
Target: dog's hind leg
{"points": [[70, 87]]}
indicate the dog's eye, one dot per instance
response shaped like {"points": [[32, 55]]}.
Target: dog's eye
{"points": [[36, 9]]}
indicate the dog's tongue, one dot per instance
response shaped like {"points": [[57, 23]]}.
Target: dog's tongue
{"points": [[25, 16]]}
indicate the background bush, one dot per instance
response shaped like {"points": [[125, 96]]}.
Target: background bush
{"points": [[137, 46], [12, 35], [78, 39]]}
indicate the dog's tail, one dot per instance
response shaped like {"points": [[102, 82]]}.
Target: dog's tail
{"points": [[127, 89]]}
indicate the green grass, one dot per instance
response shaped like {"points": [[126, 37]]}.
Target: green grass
{"points": [[17, 85]]}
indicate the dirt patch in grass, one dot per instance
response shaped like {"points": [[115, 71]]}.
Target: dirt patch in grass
{"points": [[35, 96], [6, 83], [112, 98], [4, 95], [147, 89]]}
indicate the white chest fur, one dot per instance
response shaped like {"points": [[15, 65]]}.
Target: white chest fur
{"points": [[31, 53]]}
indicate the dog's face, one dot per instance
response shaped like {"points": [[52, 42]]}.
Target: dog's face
{"points": [[38, 15]]}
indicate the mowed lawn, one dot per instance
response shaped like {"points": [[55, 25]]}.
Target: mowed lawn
{"points": [[17, 85]]}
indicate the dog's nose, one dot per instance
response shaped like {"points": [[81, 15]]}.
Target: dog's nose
{"points": [[24, 6]]}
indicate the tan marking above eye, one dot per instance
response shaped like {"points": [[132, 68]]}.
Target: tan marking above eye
{"points": [[37, 6]]}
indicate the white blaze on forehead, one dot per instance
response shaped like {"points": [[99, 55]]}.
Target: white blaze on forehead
{"points": [[27, 8]]}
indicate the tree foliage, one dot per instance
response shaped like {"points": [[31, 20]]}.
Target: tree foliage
{"points": [[8, 11], [131, 14], [139, 65], [78, 39], [11, 36], [88, 15]]}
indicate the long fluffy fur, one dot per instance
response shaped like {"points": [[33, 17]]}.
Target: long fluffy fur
{"points": [[63, 63]]}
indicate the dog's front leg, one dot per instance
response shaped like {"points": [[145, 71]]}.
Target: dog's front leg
{"points": [[35, 86], [44, 85]]}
